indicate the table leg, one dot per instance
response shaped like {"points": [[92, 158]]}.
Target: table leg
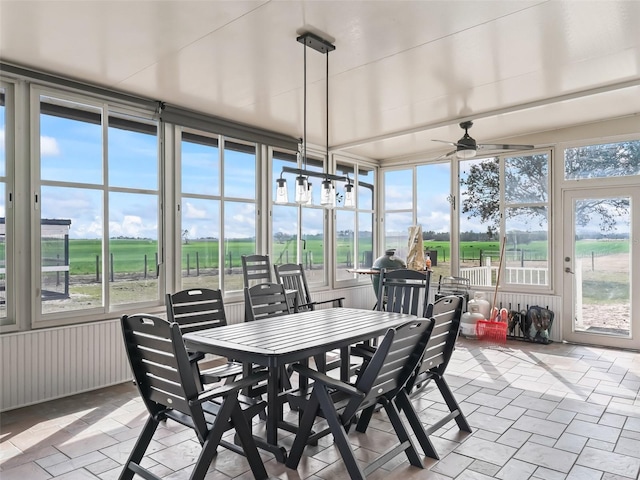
{"points": [[274, 414]]}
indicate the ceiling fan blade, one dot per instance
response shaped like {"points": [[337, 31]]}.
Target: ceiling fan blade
{"points": [[502, 146], [445, 155], [444, 141]]}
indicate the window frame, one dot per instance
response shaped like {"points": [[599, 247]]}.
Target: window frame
{"points": [[108, 109]]}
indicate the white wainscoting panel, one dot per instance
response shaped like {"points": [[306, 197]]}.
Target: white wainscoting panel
{"points": [[51, 363]]}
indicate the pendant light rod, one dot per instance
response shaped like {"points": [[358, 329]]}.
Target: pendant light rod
{"points": [[309, 173]]}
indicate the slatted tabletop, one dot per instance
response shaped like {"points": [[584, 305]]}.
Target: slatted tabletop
{"points": [[281, 340]]}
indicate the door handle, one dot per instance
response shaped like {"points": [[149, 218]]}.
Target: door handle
{"points": [[568, 270]]}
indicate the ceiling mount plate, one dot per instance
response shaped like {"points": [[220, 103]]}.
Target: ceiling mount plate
{"points": [[317, 43]]}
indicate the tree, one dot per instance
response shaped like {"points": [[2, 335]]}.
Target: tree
{"points": [[526, 184], [185, 236]]}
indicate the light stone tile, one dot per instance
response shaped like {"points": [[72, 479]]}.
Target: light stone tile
{"points": [[484, 467], [609, 462], [512, 413], [591, 430], [539, 426], [514, 438], [486, 451], [548, 474], [27, 471], [628, 446], [571, 443], [516, 469], [480, 398], [579, 472], [612, 420], [452, 465], [600, 445], [581, 407], [561, 416], [546, 457], [489, 422], [528, 402], [542, 440]]}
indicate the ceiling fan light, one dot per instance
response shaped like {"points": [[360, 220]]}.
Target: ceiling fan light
{"points": [[466, 154], [281, 191]]}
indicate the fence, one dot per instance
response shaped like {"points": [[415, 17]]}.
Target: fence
{"points": [[483, 276]]}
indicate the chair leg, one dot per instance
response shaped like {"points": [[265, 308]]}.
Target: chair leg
{"points": [[304, 431], [139, 449], [405, 405], [451, 402], [402, 434], [245, 435], [365, 418], [339, 433]]}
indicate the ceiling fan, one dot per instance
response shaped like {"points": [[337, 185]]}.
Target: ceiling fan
{"points": [[467, 147]]}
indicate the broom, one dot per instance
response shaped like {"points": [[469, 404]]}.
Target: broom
{"points": [[493, 329]]}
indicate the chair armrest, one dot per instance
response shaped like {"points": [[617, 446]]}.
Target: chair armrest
{"points": [[327, 380], [333, 300], [363, 350], [195, 356], [227, 388]]}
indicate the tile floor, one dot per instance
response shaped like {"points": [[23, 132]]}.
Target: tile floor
{"points": [[537, 411]]}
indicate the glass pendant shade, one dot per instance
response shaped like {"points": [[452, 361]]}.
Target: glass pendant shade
{"points": [[281, 191], [301, 189], [326, 193], [309, 193], [349, 198]]}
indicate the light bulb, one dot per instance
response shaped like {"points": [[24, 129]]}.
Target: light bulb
{"points": [[281, 191]]}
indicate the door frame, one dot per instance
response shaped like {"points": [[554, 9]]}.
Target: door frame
{"points": [[569, 195]]}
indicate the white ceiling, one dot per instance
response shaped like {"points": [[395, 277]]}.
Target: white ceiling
{"points": [[403, 72]]}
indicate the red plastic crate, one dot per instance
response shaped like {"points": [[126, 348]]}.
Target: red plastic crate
{"points": [[488, 331]]}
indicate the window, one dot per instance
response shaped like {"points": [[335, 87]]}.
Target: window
{"points": [[433, 206], [218, 182], [398, 210], [602, 161], [5, 222], [299, 230], [354, 227], [99, 207], [505, 197]]}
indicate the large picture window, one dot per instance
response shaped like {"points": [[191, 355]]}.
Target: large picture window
{"points": [[218, 204], [505, 198], [98, 202]]}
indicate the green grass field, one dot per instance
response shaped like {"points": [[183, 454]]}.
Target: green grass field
{"points": [[129, 254]]}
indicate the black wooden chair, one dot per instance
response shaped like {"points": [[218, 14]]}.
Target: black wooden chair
{"points": [[294, 279], [404, 291], [256, 269], [383, 381], [171, 390], [198, 309], [265, 300], [446, 313]]}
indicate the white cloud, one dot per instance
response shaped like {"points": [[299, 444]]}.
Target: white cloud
{"points": [[2, 139], [189, 210], [49, 146]]}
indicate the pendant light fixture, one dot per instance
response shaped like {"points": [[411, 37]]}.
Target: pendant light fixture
{"points": [[303, 192]]}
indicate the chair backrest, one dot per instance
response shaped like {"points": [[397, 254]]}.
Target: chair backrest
{"points": [[255, 269], [404, 291], [293, 278], [196, 309], [161, 368], [446, 312], [265, 300], [392, 365]]}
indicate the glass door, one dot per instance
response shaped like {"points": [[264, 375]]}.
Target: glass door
{"points": [[600, 267]]}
